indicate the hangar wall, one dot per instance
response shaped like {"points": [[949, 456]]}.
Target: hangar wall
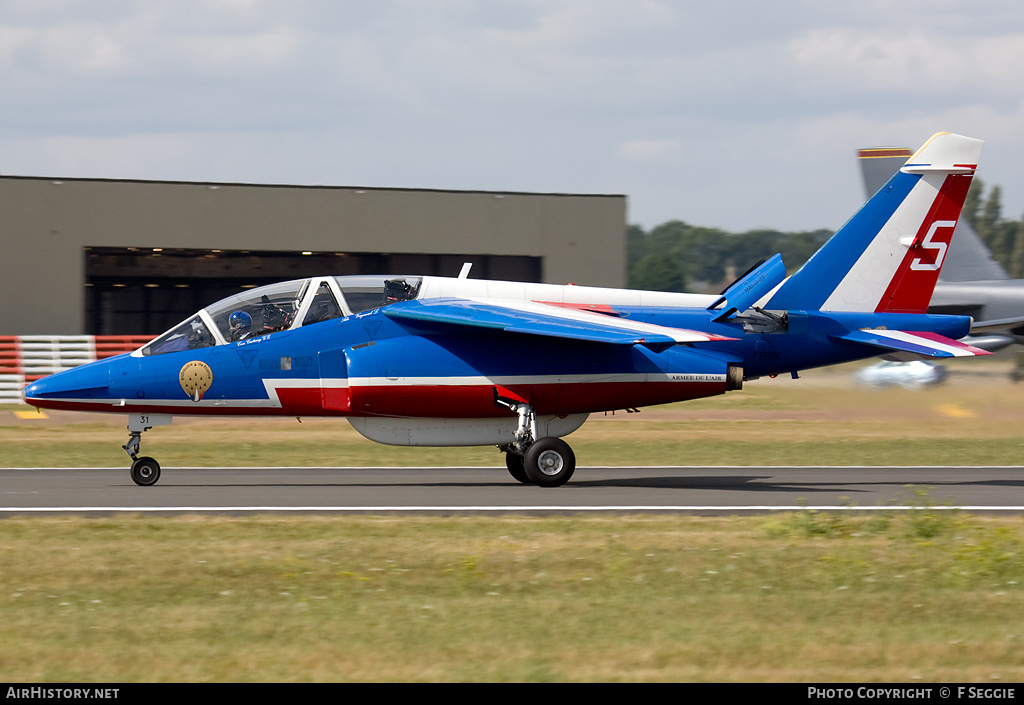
{"points": [[47, 225]]}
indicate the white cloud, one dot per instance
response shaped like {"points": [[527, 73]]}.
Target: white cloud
{"points": [[649, 150], [914, 61], [731, 114]]}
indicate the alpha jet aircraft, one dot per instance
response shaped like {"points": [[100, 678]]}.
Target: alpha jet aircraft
{"points": [[455, 361]]}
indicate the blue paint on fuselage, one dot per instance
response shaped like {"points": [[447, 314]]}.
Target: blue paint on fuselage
{"points": [[380, 346]]}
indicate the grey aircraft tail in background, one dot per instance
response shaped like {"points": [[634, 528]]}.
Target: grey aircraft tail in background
{"points": [[972, 283]]}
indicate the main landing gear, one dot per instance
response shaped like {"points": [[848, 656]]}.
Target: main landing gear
{"points": [[145, 471], [547, 462]]}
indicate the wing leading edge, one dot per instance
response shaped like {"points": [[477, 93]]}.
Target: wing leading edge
{"points": [[530, 318]]}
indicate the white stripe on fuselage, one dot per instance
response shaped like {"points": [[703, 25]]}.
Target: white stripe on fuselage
{"points": [[445, 287]]}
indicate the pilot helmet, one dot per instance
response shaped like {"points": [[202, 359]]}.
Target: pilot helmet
{"points": [[239, 322]]}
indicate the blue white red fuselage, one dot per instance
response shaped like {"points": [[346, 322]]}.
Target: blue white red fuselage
{"points": [[371, 364]]}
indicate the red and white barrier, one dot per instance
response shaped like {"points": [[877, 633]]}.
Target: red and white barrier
{"points": [[26, 358]]}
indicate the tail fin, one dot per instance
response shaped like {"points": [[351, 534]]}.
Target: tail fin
{"points": [[968, 259], [889, 255]]}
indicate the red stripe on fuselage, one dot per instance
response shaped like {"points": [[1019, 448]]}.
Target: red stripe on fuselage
{"points": [[477, 401]]}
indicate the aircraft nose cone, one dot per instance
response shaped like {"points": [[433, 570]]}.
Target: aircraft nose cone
{"points": [[31, 390], [86, 382], [39, 389]]}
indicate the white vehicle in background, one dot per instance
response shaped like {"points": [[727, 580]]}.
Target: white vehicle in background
{"points": [[913, 374]]}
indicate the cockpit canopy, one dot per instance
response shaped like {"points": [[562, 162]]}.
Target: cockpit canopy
{"points": [[283, 306]]}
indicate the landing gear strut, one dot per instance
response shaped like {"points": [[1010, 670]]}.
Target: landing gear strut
{"points": [[145, 471], [546, 462]]}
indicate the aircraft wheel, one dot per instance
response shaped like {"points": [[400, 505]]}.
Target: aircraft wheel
{"points": [[514, 463], [145, 471], [549, 462]]}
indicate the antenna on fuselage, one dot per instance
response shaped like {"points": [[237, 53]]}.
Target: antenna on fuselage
{"points": [[464, 274]]}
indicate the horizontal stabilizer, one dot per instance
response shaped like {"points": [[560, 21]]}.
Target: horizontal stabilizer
{"points": [[543, 319], [750, 288], [916, 343]]}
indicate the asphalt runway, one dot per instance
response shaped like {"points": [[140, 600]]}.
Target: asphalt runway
{"points": [[491, 490]]}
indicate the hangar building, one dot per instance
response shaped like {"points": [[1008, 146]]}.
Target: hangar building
{"points": [[116, 257]]}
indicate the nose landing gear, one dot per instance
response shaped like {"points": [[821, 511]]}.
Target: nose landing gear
{"points": [[145, 471]]}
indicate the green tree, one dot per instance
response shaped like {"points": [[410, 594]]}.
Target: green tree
{"points": [[657, 273], [972, 203], [676, 255], [636, 239], [1015, 266], [988, 221]]}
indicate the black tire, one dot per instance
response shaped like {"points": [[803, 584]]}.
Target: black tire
{"points": [[514, 463], [549, 462], [145, 471]]}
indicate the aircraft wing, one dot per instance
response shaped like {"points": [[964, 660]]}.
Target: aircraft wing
{"points": [[532, 318], [916, 343]]}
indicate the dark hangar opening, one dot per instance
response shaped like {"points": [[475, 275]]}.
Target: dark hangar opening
{"points": [[135, 290]]}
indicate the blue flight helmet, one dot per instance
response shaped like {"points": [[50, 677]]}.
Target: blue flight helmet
{"points": [[239, 322]]}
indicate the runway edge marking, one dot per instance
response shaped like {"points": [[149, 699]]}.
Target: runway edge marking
{"points": [[538, 508]]}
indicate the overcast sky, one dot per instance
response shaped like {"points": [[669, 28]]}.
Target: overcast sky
{"points": [[726, 114]]}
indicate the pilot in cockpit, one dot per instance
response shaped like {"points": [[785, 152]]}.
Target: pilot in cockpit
{"points": [[239, 325], [398, 290]]}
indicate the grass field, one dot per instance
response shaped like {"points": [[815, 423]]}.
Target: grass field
{"points": [[917, 595]]}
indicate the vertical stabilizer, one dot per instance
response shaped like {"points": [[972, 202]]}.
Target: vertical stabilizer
{"points": [[968, 258], [889, 255]]}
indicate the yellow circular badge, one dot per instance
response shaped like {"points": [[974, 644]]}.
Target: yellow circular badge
{"points": [[195, 378]]}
